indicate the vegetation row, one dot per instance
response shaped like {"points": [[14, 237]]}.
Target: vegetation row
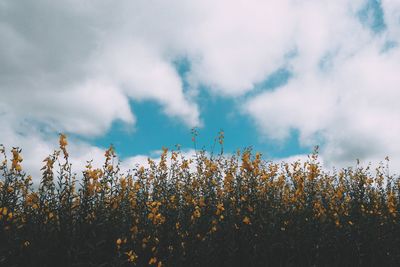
{"points": [[208, 210]]}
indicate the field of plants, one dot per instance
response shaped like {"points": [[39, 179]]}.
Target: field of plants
{"points": [[209, 210]]}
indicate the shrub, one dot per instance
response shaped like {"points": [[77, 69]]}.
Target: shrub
{"points": [[216, 210]]}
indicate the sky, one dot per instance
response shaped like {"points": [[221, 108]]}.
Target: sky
{"points": [[281, 76]]}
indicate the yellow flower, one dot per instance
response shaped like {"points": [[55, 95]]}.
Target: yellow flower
{"points": [[220, 209], [246, 220], [119, 242], [132, 257], [18, 167], [4, 211], [63, 140], [153, 260]]}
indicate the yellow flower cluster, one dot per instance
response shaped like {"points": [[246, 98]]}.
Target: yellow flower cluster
{"points": [[155, 216], [16, 160], [5, 214], [165, 213]]}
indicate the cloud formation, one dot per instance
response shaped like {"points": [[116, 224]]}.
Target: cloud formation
{"points": [[75, 66], [343, 93]]}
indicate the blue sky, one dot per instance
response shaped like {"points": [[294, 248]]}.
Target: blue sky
{"points": [[280, 76], [153, 129]]}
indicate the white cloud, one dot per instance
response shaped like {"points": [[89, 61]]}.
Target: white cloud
{"points": [[349, 105], [143, 75], [74, 65], [239, 43], [35, 149], [391, 10]]}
